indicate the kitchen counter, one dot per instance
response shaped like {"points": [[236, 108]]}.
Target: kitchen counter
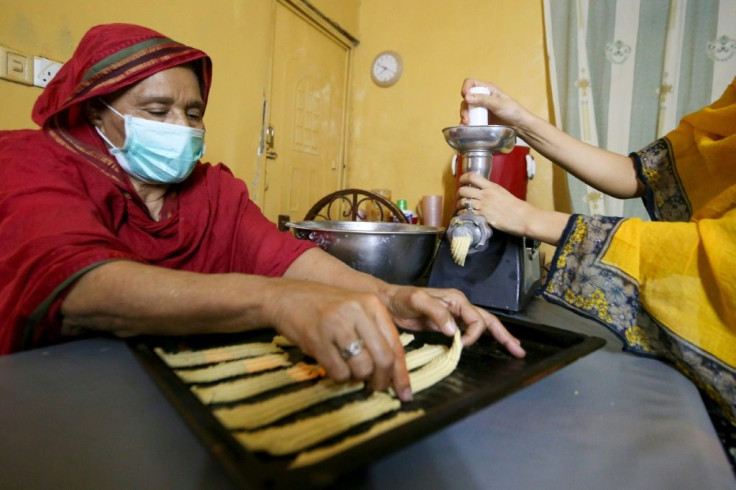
{"points": [[86, 415]]}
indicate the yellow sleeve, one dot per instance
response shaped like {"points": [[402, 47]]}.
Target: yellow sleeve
{"points": [[686, 276], [666, 289]]}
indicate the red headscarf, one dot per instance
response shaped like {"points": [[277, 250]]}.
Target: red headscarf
{"points": [[66, 206], [108, 58]]}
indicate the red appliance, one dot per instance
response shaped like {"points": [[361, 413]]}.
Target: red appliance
{"points": [[511, 170]]}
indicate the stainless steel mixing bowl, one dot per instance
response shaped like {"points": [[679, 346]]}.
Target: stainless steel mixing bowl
{"points": [[398, 253]]}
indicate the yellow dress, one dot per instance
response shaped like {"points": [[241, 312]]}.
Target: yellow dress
{"points": [[668, 287]]}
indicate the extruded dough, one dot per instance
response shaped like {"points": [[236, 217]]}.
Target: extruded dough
{"points": [[438, 369], [425, 354], [294, 437], [321, 453], [255, 385], [254, 415], [428, 365], [406, 338], [217, 354], [459, 248], [230, 369], [282, 341]]}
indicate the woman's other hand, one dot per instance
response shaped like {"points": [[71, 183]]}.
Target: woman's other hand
{"points": [[502, 109], [441, 310], [506, 212]]}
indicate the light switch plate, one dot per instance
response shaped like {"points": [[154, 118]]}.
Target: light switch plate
{"points": [[16, 66]]}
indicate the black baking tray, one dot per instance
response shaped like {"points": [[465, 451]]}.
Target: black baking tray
{"points": [[485, 374]]}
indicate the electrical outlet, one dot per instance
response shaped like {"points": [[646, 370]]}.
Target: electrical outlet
{"points": [[16, 66], [44, 70]]}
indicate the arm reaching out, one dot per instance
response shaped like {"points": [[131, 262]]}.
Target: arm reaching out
{"points": [[320, 304], [608, 172]]}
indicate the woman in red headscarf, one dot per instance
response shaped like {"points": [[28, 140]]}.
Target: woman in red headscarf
{"points": [[108, 221]]}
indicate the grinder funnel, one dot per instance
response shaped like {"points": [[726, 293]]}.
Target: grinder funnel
{"points": [[478, 143]]}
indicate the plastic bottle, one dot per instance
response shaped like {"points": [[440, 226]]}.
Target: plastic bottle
{"points": [[401, 204]]}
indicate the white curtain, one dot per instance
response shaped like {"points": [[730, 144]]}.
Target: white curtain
{"points": [[624, 72]]}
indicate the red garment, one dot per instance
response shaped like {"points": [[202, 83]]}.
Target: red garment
{"points": [[66, 206]]}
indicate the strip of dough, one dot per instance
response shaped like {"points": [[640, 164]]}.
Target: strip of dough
{"points": [[229, 369], [254, 385], [439, 368], [406, 338], [321, 453], [294, 437], [425, 354], [282, 341], [217, 354], [436, 370], [254, 415]]}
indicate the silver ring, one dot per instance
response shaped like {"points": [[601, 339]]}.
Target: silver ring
{"points": [[469, 204], [353, 349]]}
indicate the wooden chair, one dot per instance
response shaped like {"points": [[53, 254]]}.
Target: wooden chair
{"points": [[351, 205]]}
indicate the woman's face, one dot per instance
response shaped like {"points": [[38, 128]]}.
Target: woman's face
{"points": [[170, 96]]}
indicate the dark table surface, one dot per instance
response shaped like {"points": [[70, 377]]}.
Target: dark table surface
{"points": [[86, 415]]}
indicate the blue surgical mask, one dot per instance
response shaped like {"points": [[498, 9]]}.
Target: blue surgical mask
{"points": [[157, 152]]}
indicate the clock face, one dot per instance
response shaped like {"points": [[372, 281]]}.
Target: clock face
{"points": [[386, 68]]}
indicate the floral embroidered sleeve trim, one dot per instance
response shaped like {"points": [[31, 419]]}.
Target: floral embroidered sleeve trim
{"points": [[579, 280], [665, 197]]}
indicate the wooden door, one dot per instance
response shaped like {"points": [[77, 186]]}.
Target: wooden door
{"points": [[307, 115]]}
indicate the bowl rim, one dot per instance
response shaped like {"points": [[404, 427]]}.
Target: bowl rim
{"points": [[364, 227]]}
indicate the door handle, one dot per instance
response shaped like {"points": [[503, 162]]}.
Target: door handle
{"points": [[270, 139]]}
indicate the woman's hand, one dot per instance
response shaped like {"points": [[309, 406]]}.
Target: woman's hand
{"points": [[502, 109], [440, 309], [324, 321], [506, 212]]}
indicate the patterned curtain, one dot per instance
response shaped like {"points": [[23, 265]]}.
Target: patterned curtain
{"points": [[624, 72]]}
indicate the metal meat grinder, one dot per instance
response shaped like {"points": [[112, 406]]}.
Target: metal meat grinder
{"points": [[494, 269]]}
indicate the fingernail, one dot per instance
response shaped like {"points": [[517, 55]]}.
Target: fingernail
{"points": [[407, 395], [450, 328]]}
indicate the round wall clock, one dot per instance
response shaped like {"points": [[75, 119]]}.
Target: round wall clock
{"points": [[386, 68]]}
